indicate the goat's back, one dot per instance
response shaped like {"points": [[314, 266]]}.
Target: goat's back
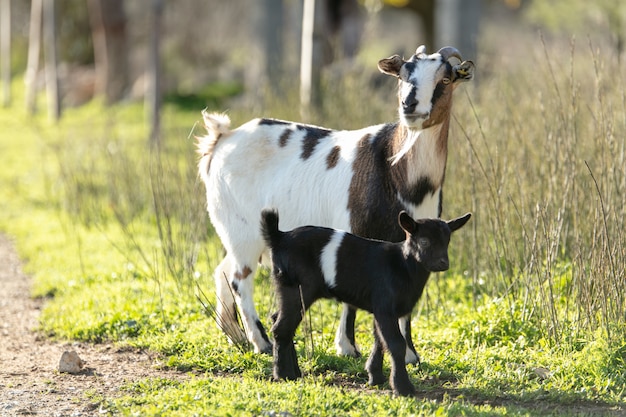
{"points": [[303, 171]]}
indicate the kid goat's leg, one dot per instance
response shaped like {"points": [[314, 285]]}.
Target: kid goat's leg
{"points": [[374, 365], [345, 343], [390, 333], [289, 316]]}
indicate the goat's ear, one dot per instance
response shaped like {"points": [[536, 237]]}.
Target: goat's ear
{"points": [[391, 65], [459, 222], [407, 223], [463, 71]]}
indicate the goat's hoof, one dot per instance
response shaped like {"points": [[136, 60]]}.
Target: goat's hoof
{"points": [[412, 358], [376, 380], [350, 351], [289, 375], [404, 391], [356, 354]]}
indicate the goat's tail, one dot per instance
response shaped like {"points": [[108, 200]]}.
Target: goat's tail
{"points": [[217, 125], [269, 227]]}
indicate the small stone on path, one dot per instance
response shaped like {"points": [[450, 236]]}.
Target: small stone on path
{"points": [[70, 362]]}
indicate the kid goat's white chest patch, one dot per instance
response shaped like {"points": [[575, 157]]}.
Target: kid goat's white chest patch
{"points": [[328, 258]]}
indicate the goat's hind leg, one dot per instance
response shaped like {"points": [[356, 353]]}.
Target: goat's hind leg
{"points": [[226, 307], [374, 365], [242, 283], [345, 343], [234, 282], [411, 356], [287, 320]]}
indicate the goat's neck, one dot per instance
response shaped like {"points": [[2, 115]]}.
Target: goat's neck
{"points": [[421, 153]]}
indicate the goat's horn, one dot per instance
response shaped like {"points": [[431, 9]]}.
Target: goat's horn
{"points": [[448, 52]]}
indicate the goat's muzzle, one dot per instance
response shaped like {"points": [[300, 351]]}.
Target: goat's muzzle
{"points": [[442, 264]]}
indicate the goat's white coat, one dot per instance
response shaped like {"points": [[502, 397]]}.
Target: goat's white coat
{"points": [[270, 175]]}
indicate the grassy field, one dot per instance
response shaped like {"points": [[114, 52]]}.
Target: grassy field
{"points": [[530, 319]]}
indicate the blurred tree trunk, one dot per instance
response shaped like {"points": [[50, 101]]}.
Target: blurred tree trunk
{"points": [[456, 24], [153, 79], [312, 56], [5, 50], [34, 50], [272, 27], [108, 25], [50, 54]]}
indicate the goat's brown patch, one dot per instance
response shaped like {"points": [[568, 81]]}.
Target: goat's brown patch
{"points": [[244, 273], [441, 105], [311, 139], [284, 138], [272, 122], [333, 157]]}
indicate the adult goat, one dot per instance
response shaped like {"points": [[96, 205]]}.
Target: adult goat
{"points": [[354, 180]]}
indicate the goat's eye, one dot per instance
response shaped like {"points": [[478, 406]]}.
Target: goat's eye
{"points": [[446, 81], [423, 242]]}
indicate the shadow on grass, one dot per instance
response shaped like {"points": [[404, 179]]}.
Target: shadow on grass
{"points": [[349, 373]]}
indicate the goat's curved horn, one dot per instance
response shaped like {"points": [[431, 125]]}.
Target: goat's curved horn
{"points": [[448, 52], [420, 50]]}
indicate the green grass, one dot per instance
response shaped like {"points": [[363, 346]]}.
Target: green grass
{"points": [[529, 321]]}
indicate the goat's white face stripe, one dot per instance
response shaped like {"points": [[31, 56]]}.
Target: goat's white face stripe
{"points": [[420, 82], [328, 258]]}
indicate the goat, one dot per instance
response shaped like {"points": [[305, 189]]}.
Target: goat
{"points": [[348, 180], [386, 279]]}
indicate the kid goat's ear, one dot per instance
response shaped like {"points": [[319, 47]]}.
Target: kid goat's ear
{"points": [[456, 224], [407, 223]]}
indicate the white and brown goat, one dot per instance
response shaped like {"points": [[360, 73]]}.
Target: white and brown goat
{"points": [[386, 279], [349, 180]]}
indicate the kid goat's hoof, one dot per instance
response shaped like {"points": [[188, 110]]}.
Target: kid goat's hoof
{"points": [[405, 392], [376, 380], [290, 375]]}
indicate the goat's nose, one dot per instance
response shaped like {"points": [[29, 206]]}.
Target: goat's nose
{"points": [[441, 265], [409, 105]]}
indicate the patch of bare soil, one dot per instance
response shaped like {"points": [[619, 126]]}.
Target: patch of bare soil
{"points": [[30, 383]]}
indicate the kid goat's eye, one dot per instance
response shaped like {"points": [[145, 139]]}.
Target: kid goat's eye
{"points": [[446, 81]]}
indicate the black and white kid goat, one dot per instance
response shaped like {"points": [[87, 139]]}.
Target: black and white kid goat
{"points": [[386, 279], [346, 179]]}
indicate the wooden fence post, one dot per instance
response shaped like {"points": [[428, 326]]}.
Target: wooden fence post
{"points": [[5, 50], [50, 53]]}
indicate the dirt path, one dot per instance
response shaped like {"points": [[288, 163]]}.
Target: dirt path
{"points": [[30, 383]]}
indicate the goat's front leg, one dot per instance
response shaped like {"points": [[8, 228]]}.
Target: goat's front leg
{"points": [[389, 331], [344, 338]]}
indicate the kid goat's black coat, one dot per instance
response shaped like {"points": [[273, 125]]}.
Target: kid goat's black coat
{"points": [[386, 279]]}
